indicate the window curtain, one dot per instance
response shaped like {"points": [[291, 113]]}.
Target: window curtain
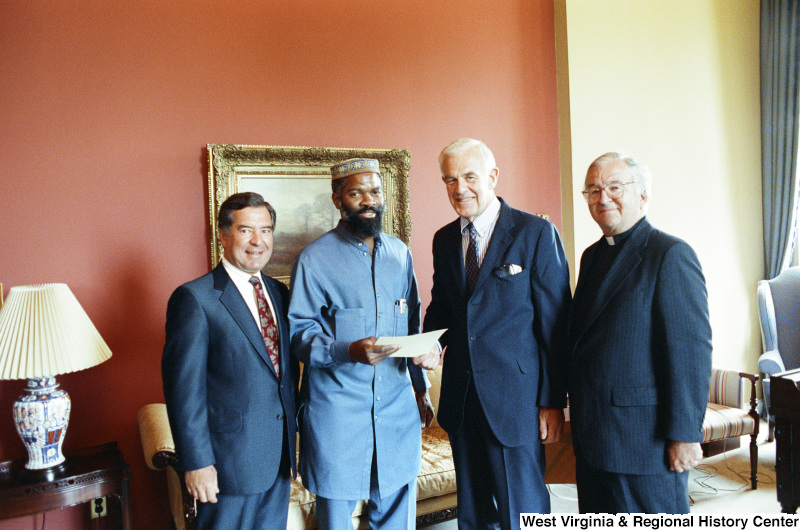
{"points": [[780, 68]]}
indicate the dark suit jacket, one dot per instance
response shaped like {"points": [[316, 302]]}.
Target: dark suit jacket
{"points": [[641, 362], [226, 407], [508, 336]]}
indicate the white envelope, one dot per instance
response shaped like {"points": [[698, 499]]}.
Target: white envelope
{"points": [[413, 345]]}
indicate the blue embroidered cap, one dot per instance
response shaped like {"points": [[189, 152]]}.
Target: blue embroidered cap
{"points": [[354, 166]]}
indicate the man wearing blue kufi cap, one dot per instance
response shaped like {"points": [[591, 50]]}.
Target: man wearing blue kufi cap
{"points": [[360, 425]]}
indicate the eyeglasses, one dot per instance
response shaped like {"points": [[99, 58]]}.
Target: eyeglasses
{"points": [[615, 190]]}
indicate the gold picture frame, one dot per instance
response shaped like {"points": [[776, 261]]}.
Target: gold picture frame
{"points": [[296, 182]]}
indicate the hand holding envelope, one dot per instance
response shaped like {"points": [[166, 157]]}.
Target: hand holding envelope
{"points": [[423, 349], [412, 345]]}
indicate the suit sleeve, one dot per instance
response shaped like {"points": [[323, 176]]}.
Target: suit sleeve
{"points": [[184, 369], [684, 333], [294, 364], [438, 312], [551, 298]]}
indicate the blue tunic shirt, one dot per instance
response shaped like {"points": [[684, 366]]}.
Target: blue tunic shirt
{"points": [[341, 294]]}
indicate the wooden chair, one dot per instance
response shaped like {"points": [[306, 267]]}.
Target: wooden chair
{"points": [[725, 420]]}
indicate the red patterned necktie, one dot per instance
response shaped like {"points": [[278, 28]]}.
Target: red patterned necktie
{"points": [[471, 260], [269, 330]]}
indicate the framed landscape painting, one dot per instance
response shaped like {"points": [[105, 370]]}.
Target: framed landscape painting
{"points": [[296, 181]]}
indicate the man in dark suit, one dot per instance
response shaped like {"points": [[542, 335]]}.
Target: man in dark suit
{"points": [[641, 353], [229, 381], [501, 288]]}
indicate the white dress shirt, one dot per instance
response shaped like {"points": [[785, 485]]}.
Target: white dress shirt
{"points": [[484, 226], [241, 280]]}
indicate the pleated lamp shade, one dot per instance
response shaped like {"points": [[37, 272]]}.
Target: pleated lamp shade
{"points": [[44, 331]]}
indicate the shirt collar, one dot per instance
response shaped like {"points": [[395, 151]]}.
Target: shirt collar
{"points": [[238, 273], [353, 239], [485, 219], [619, 239]]}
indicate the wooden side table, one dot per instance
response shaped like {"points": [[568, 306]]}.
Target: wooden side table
{"points": [[785, 406], [87, 474]]}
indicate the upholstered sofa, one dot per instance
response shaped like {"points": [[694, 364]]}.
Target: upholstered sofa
{"points": [[436, 484]]}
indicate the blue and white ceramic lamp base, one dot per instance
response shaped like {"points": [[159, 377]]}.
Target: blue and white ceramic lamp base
{"points": [[41, 415]]}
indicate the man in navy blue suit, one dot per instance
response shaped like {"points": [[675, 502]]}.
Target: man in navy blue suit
{"points": [[641, 353], [229, 381], [501, 288]]}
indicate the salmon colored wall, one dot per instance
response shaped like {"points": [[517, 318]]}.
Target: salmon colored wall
{"points": [[107, 107]]}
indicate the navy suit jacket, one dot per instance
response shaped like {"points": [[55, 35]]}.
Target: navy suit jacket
{"points": [[641, 360], [508, 336], [225, 404]]}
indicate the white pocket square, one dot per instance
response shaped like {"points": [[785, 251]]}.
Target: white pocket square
{"points": [[511, 269]]}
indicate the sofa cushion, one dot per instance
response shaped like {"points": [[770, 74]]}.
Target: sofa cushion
{"points": [[438, 475], [722, 422]]}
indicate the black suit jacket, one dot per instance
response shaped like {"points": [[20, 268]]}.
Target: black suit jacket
{"points": [[225, 404], [508, 336], [641, 360]]}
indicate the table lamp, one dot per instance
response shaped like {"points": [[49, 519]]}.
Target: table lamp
{"points": [[45, 332]]}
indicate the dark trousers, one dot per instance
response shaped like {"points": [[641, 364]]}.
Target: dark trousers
{"points": [[495, 483], [267, 510], [605, 492]]}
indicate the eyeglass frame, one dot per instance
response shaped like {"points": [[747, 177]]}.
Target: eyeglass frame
{"points": [[601, 189]]}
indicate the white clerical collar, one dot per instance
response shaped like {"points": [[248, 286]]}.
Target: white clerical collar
{"points": [[619, 239]]}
